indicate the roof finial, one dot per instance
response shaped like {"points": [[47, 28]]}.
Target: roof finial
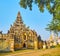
{"points": [[18, 14]]}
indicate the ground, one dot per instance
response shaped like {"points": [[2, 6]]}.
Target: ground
{"points": [[41, 52]]}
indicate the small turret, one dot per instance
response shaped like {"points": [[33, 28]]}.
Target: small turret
{"points": [[0, 32]]}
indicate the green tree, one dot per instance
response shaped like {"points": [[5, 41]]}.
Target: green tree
{"points": [[40, 3], [52, 5], [55, 10], [54, 26], [55, 23]]}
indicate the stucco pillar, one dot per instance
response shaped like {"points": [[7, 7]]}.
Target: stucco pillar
{"points": [[11, 45], [36, 44]]}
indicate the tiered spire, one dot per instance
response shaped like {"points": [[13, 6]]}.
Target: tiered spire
{"points": [[18, 21], [18, 25]]}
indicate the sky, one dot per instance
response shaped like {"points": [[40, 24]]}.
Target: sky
{"points": [[34, 19]]}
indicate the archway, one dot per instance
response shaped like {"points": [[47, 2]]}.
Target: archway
{"points": [[24, 45]]}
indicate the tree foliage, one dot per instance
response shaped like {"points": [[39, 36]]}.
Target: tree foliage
{"points": [[55, 23], [54, 26], [55, 10], [53, 6], [40, 3]]}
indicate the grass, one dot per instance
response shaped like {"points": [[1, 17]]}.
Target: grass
{"points": [[51, 52], [47, 52], [18, 51]]}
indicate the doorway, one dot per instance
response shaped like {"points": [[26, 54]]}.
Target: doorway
{"points": [[24, 45]]}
